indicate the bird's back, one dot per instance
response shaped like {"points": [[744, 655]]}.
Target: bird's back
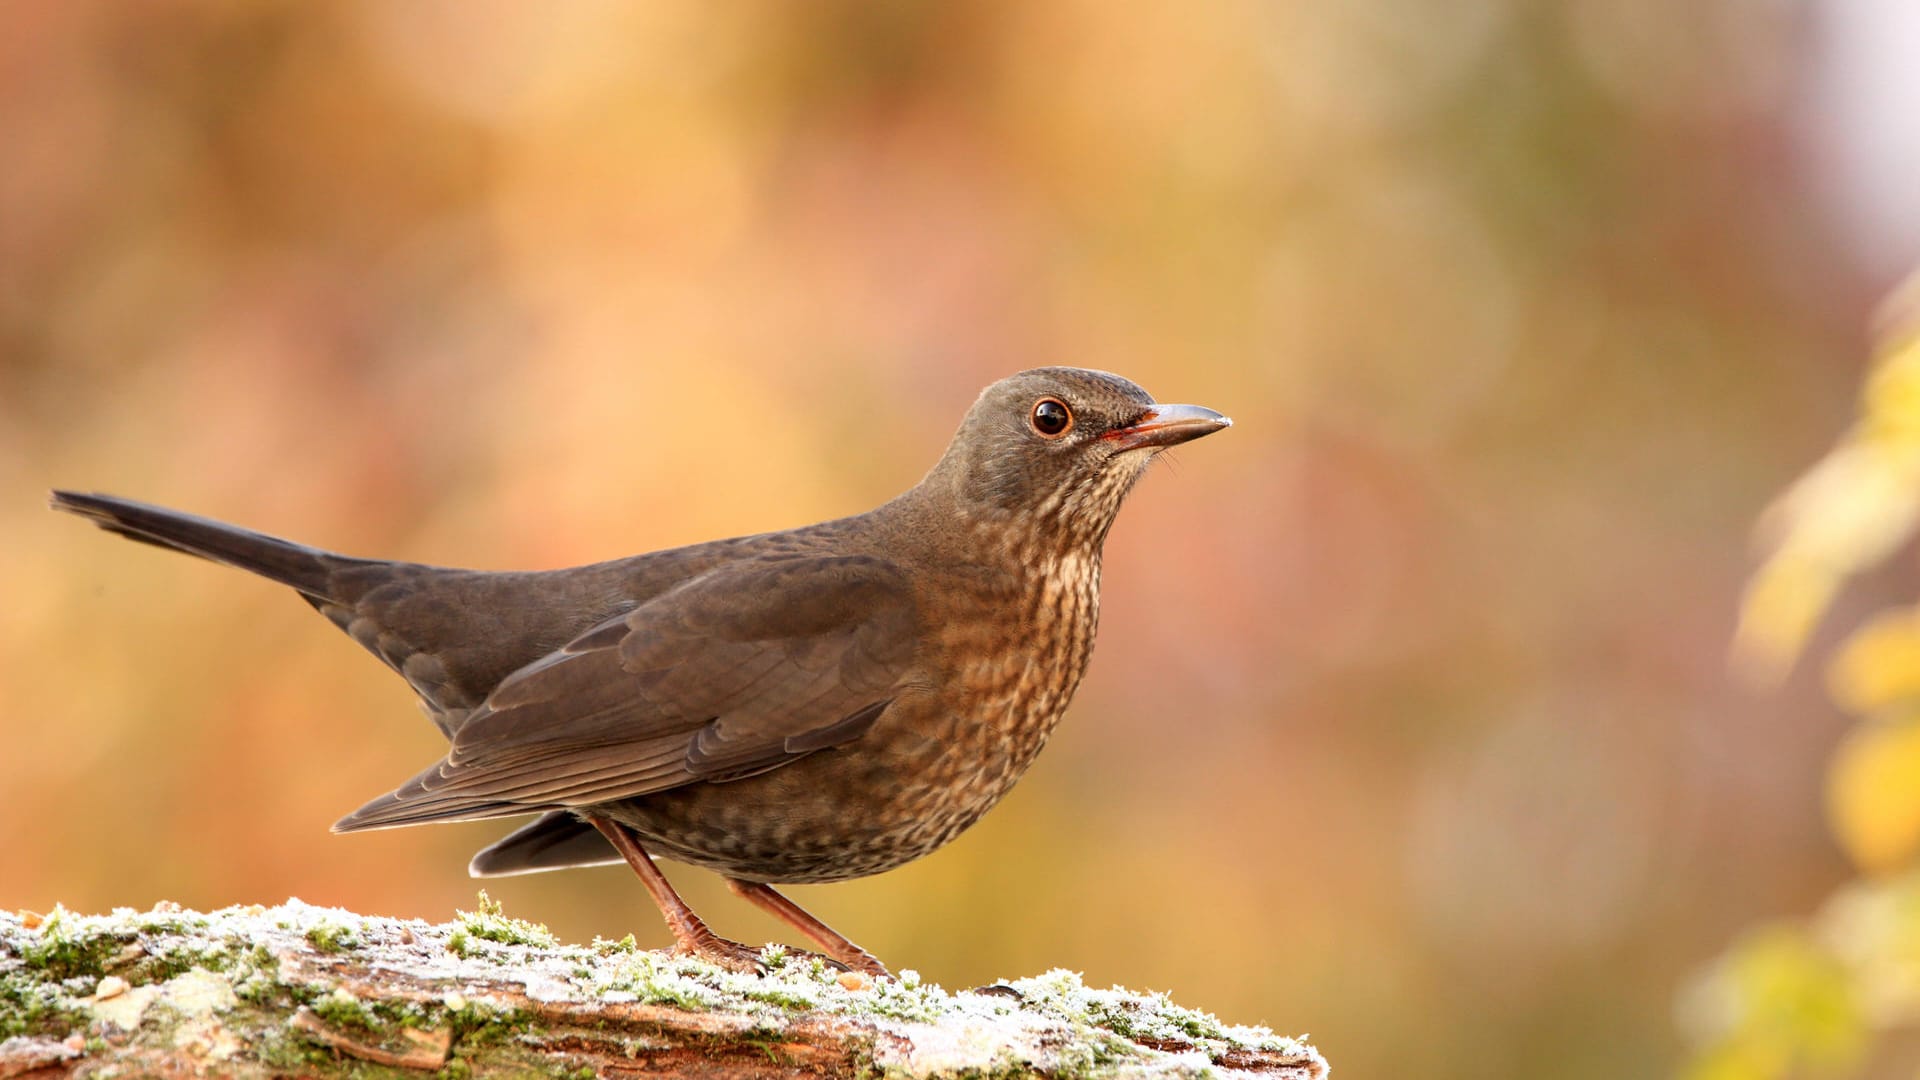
{"points": [[454, 634]]}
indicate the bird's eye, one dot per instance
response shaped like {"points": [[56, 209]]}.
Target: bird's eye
{"points": [[1051, 418]]}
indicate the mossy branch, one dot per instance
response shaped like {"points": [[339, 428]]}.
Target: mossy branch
{"points": [[300, 990]]}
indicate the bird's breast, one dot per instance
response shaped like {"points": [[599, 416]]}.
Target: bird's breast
{"points": [[998, 666], [1015, 662]]}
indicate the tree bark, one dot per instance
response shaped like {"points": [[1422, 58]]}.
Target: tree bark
{"points": [[297, 990]]}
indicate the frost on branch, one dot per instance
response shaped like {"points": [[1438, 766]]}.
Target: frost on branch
{"points": [[314, 991]]}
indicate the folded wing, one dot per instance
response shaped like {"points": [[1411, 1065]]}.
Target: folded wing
{"points": [[741, 670]]}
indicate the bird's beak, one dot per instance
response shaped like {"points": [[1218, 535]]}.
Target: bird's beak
{"points": [[1167, 425]]}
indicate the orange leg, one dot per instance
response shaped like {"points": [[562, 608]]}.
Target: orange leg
{"points": [[690, 932], [831, 942]]}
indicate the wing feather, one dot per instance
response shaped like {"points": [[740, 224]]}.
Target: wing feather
{"points": [[741, 670]]}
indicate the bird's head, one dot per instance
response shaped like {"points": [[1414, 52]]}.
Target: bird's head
{"points": [[1061, 447]]}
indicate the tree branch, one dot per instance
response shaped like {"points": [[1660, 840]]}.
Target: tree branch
{"points": [[300, 990]]}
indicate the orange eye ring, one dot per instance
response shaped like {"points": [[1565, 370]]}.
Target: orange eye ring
{"points": [[1051, 418]]}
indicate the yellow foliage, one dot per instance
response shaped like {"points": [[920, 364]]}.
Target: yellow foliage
{"points": [[1776, 1002], [1873, 794], [1879, 666], [1850, 511], [1891, 413], [1873, 929], [1740, 1060], [1783, 603], [1791, 998]]}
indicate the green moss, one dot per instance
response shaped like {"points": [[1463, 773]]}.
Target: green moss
{"points": [[264, 990], [404, 1014], [65, 958], [261, 989], [1199, 1027], [653, 981], [904, 999], [254, 974], [329, 938], [63, 951], [609, 948], [292, 1053], [1124, 1019], [165, 960], [28, 1007], [775, 994], [161, 921], [679, 999], [491, 923], [473, 1025], [342, 1010], [476, 1023]]}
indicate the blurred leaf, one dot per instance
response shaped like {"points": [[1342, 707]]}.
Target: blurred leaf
{"points": [[1874, 929], [1738, 1061], [1775, 1002], [1850, 511], [1873, 794], [1879, 666], [1784, 600], [1792, 997], [1892, 410]]}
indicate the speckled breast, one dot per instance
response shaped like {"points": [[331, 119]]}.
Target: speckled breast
{"points": [[938, 758]]}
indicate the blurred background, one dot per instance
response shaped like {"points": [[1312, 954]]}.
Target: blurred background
{"points": [[1410, 725]]}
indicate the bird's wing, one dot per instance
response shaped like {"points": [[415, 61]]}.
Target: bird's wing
{"points": [[741, 670]]}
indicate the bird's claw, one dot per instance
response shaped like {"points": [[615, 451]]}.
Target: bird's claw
{"points": [[859, 961], [723, 952], [863, 962], [745, 959]]}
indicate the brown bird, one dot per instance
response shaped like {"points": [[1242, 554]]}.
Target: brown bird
{"points": [[811, 705]]}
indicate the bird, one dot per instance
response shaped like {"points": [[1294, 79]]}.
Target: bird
{"points": [[811, 705]]}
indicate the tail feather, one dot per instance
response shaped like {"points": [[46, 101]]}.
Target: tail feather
{"points": [[404, 806], [557, 840], [307, 569]]}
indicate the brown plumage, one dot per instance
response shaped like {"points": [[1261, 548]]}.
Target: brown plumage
{"points": [[811, 705]]}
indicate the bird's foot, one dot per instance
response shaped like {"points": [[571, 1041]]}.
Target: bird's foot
{"points": [[839, 952], [852, 958], [748, 960], [855, 958], [999, 990], [722, 952]]}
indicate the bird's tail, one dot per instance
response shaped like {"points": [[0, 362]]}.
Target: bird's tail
{"points": [[306, 569]]}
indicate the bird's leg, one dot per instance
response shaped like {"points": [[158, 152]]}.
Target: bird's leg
{"points": [[690, 932], [831, 942]]}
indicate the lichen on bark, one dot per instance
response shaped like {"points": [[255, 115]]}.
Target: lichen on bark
{"points": [[303, 990]]}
